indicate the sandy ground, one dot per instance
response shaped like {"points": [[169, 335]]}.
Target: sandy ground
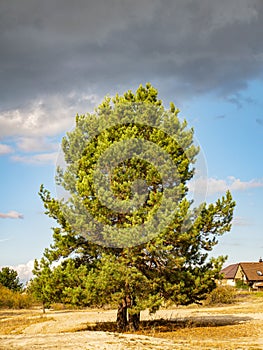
{"points": [[235, 329]]}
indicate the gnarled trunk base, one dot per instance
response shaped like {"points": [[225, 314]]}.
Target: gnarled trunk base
{"points": [[123, 323], [122, 314], [134, 321]]}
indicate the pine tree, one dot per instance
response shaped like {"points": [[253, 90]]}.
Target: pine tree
{"points": [[9, 279], [125, 213]]}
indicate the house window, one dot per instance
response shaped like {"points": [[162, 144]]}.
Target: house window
{"points": [[259, 273]]}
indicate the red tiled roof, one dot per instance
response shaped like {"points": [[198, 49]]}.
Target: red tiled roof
{"points": [[230, 271], [253, 271]]}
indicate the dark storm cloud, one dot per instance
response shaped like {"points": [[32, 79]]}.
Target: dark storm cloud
{"points": [[188, 46]]}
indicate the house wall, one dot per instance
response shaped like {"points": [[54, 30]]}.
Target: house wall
{"points": [[230, 282], [227, 282], [240, 275]]}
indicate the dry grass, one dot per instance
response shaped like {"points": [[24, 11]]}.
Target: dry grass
{"points": [[15, 321], [233, 335], [202, 334], [218, 327]]}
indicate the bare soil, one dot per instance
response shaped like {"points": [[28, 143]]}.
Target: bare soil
{"points": [[238, 326]]}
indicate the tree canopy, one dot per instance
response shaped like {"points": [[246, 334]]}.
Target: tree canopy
{"points": [[9, 279], [124, 216]]}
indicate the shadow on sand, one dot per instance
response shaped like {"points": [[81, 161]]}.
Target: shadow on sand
{"points": [[170, 325]]}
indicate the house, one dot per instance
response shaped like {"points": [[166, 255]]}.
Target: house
{"points": [[249, 273]]}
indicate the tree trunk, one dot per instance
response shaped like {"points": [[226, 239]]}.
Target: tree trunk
{"points": [[122, 320], [44, 308], [134, 321], [122, 315], [134, 318]]}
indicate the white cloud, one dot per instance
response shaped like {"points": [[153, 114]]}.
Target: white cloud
{"points": [[237, 184], [39, 144], [11, 215], [35, 128], [45, 117], [211, 186], [24, 270], [4, 240], [40, 118], [37, 159], [5, 149], [239, 221]]}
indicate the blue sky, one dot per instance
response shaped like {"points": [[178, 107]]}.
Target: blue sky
{"points": [[61, 58]]}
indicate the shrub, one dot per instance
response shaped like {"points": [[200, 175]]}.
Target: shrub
{"points": [[241, 285], [221, 295], [14, 300]]}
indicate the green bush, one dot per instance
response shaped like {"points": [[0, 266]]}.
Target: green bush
{"points": [[221, 295], [241, 285], [14, 300], [258, 294]]}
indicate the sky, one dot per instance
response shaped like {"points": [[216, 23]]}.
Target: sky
{"points": [[59, 58]]}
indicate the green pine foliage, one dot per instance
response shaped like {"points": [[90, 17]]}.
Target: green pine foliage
{"points": [[141, 244], [9, 279], [64, 283]]}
